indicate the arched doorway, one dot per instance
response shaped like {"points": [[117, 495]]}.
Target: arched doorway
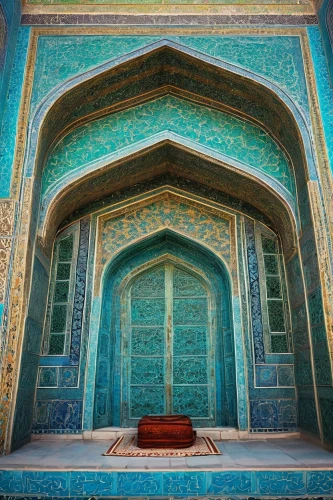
{"points": [[166, 343]]}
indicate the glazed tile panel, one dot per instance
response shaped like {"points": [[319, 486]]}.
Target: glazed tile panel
{"points": [[10, 13], [324, 86], [11, 111], [277, 58], [183, 216], [220, 132], [235, 483]]}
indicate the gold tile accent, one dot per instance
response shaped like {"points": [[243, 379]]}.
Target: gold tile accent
{"points": [[6, 218], [5, 247], [258, 8], [20, 281], [325, 270]]}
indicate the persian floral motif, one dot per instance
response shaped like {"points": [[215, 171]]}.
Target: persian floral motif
{"points": [[68, 376], [6, 216], [5, 247], [257, 327], [80, 287], [149, 284], [286, 376], [66, 415], [191, 400], [213, 129], [167, 211], [146, 400], [184, 284], [48, 377], [6, 230], [149, 372], [147, 341]]}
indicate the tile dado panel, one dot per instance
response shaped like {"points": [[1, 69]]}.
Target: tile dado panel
{"points": [[193, 484]]}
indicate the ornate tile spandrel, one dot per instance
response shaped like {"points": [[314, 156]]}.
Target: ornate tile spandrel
{"points": [[207, 225], [6, 218], [276, 58], [5, 247]]}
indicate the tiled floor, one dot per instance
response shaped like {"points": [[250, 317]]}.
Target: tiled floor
{"points": [[77, 455]]}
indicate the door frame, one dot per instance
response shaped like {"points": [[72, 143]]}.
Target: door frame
{"points": [[103, 410]]}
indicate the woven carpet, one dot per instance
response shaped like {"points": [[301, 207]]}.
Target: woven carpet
{"points": [[126, 446]]}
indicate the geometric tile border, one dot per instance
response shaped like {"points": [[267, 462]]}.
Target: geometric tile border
{"points": [[86, 19], [272, 483]]}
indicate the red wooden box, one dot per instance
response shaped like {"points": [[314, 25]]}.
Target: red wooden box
{"points": [[165, 431]]}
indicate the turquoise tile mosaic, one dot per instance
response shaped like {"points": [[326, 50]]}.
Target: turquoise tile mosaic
{"points": [[10, 116], [212, 129], [285, 376], [266, 376], [325, 18], [324, 86], [10, 14], [277, 58]]}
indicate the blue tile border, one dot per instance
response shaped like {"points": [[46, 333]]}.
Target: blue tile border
{"points": [[80, 292], [178, 484], [252, 263]]}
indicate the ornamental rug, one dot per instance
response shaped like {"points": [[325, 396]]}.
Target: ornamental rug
{"points": [[126, 446]]}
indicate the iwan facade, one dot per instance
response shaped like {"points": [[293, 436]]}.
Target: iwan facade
{"points": [[166, 216]]}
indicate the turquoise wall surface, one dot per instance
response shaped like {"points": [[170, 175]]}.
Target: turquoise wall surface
{"points": [[11, 107], [325, 18], [10, 15], [279, 60]]}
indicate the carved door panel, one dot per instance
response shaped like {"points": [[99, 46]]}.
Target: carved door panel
{"points": [[168, 359]]}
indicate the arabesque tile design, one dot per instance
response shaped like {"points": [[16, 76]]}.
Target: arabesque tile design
{"points": [[100, 139]]}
